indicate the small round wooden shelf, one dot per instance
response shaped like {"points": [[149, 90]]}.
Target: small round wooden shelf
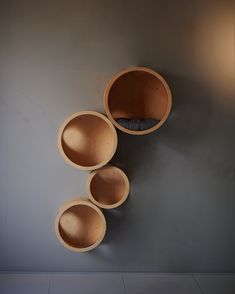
{"points": [[137, 93], [80, 225], [87, 140], [108, 187]]}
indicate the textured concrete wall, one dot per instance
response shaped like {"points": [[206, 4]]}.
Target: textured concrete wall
{"points": [[55, 59]]}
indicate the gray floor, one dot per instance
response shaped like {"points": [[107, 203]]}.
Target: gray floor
{"points": [[112, 283], [56, 57]]}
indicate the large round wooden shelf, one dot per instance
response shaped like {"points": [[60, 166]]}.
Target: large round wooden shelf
{"points": [[137, 93], [80, 225], [87, 140], [108, 187]]}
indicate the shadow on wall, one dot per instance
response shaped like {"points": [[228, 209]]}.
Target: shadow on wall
{"points": [[190, 118]]}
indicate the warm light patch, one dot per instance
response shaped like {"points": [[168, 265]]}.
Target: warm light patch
{"points": [[214, 47]]}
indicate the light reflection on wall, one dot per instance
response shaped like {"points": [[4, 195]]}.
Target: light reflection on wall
{"points": [[214, 48]]}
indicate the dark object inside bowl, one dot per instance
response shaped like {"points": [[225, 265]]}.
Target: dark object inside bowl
{"points": [[137, 124]]}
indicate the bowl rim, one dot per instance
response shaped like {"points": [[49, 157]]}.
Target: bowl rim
{"points": [[124, 197], [75, 202], [115, 77], [61, 130]]}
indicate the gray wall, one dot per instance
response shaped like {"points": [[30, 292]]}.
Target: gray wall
{"points": [[56, 58]]}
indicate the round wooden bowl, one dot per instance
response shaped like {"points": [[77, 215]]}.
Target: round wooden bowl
{"points": [[137, 93], [80, 225], [87, 140], [108, 187]]}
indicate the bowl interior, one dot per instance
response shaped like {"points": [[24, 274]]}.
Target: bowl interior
{"points": [[108, 186], [80, 226], [88, 140], [138, 95]]}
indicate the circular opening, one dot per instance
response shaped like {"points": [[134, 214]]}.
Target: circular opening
{"points": [[108, 187], [137, 100], [87, 140], [80, 226]]}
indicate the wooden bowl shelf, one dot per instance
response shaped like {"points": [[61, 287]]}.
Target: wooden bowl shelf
{"points": [[87, 140], [138, 95], [137, 101], [80, 225], [108, 187]]}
